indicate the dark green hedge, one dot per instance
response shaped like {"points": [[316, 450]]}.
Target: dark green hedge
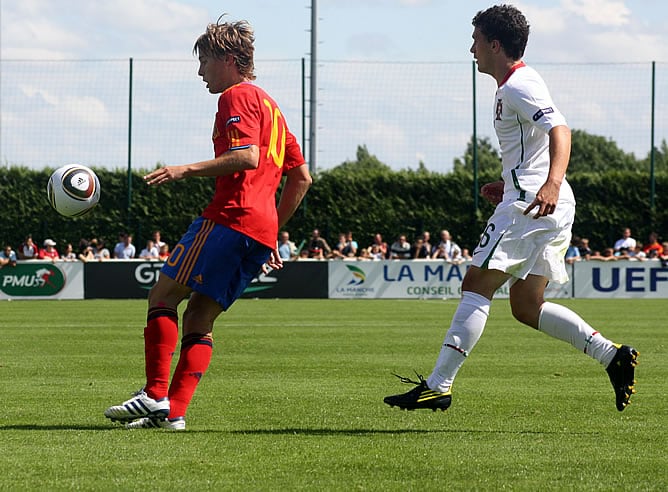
{"points": [[390, 203]]}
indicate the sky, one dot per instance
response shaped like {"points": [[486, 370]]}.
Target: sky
{"points": [[371, 31], [379, 30]]}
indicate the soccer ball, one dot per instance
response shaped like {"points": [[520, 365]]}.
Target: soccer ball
{"points": [[73, 190]]}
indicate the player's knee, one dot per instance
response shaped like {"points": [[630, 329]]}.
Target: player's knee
{"points": [[526, 312], [198, 320]]}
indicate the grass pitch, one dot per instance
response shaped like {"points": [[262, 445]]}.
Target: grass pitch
{"points": [[293, 401]]}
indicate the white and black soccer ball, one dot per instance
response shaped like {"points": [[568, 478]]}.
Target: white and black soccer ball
{"points": [[73, 190]]}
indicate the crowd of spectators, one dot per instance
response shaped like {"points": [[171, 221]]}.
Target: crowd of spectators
{"points": [[346, 248], [625, 248], [422, 247], [93, 249]]}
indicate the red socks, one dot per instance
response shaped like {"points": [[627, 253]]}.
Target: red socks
{"points": [[160, 338], [193, 362]]}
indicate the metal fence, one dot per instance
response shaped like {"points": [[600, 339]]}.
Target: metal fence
{"points": [[115, 113]]}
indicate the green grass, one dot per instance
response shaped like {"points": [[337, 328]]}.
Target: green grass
{"points": [[293, 401]]}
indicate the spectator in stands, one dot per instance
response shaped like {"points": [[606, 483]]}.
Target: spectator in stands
{"points": [[100, 252], [664, 256], [49, 251], [337, 250], [7, 257], [625, 243], [351, 247], [465, 256], [163, 253], [419, 250], [28, 249], [426, 238], [573, 252], [124, 249], [585, 250], [317, 246], [375, 252], [381, 246], [400, 249], [364, 255], [155, 236], [86, 250], [608, 254], [446, 249], [304, 255], [653, 248], [68, 253], [287, 250], [150, 252], [636, 255]]}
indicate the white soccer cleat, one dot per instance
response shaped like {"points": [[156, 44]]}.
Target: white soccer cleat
{"points": [[178, 423], [140, 405]]}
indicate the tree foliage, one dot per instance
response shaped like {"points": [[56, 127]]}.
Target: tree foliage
{"points": [[592, 153], [363, 195], [488, 158]]}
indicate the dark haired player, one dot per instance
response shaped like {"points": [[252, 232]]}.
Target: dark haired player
{"points": [[526, 238]]}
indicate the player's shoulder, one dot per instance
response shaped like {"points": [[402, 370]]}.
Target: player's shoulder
{"points": [[523, 78], [245, 93], [245, 89]]}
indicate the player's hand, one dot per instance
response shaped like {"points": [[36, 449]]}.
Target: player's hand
{"points": [[546, 200], [164, 175], [273, 263], [493, 192]]}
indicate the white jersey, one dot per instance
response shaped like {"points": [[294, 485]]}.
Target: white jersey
{"points": [[524, 113]]}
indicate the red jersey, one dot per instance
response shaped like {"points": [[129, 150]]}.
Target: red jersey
{"points": [[44, 254], [246, 201]]}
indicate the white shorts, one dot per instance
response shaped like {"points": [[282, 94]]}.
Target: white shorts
{"points": [[520, 245]]}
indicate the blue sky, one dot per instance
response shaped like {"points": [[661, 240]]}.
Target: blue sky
{"points": [[380, 30], [439, 31]]}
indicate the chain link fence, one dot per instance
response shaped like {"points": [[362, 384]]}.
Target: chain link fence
{"points": [[138, 113]]}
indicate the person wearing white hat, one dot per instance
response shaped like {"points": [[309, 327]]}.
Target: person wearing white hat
{"points": [[49, 251]]}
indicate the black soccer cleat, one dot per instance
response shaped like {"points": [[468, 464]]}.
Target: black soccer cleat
{"points": [[621, 371], [419, 397]]}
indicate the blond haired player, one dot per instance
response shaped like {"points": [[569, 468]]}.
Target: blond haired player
{"points": [[226, 247]]}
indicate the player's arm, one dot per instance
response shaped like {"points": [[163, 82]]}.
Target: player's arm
{"points": [[230, 162], [560, 151], [493, 192], [298, 181]]}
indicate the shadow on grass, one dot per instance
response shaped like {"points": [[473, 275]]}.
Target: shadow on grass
{"points": [[364, 432], [40, 427], [299, 431]]}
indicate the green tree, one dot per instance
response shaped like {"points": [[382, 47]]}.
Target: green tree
{"points": [[660, 159], [593, 153], [489, 160], [365, 164]]}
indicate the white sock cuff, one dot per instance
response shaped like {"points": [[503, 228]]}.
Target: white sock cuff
{"points": [[472, 299]]}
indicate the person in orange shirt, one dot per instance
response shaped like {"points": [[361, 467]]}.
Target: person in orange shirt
{"points": [[653, 248]]}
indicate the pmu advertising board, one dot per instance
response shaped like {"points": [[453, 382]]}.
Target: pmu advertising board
{"points": [[37, 279]]}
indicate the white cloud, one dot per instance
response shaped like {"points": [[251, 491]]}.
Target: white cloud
{"points": [[599, 12], [546, 21], [31, 92], [147, 16], [33, 33], [88, 111]]}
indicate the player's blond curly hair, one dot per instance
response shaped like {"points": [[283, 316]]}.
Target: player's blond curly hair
{"points": [[229, 38]]}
